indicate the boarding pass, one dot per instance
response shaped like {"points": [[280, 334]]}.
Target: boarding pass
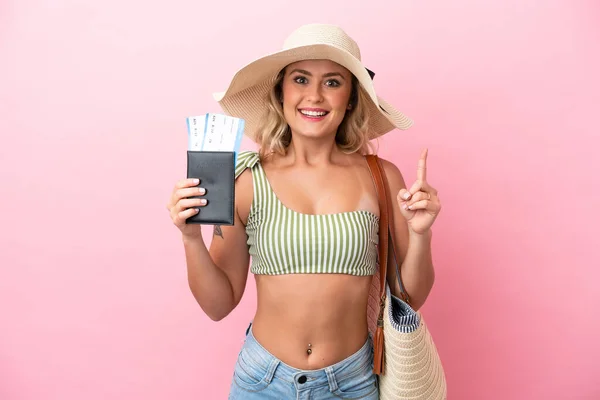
{"points": [[215, 132]]}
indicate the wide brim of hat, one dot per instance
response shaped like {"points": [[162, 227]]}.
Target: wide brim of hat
{"points": [[248, 91]]}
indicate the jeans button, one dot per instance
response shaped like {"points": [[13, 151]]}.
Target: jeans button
{"points": [[302, 379]]}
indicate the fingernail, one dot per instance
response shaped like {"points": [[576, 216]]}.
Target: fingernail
{"points": [[203, 202], [405, 206], [406, 195], [202, 190], [196, 181]]}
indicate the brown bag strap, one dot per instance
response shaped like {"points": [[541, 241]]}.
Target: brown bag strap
{"points": [[374, 166], [378, 340], [385, 233]]}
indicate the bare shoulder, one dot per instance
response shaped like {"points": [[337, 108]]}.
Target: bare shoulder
{"points": [[393, 174], [243, 195]]}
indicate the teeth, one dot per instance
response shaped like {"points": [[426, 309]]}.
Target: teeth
{"points": [[313, 113]]}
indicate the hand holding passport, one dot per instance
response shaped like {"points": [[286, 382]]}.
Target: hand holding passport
{"points": [[213, 144]]}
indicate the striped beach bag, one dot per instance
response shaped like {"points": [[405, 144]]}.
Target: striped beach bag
{"points": [[406, 358]]}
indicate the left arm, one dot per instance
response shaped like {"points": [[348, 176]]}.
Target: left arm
{"points": [[412, 237]]}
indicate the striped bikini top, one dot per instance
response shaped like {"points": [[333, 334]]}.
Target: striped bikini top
{"points": [[283, 241]]}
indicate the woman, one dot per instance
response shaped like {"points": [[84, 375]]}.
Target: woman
{"points": [[306, 213]]}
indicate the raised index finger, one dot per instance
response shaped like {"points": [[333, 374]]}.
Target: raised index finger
{"points": [[422, 167]]}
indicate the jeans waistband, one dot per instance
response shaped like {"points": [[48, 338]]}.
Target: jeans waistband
{"points": [[358, 363]]}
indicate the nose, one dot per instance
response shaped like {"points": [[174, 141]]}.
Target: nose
{"points": [[314, 93]]}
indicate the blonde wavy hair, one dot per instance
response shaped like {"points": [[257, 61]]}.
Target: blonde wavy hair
{"points": [[274, 134]]}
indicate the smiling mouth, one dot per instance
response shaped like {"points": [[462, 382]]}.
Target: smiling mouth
{"points": [[314, 114]]}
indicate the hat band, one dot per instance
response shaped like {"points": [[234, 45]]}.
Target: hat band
{"points": [[371, 73]]}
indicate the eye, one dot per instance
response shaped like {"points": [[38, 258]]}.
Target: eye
{"points": [[300, 79], [332, 83]]}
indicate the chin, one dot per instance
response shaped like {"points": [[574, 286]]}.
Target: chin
{"points": [[312, 134], [315, 132]]}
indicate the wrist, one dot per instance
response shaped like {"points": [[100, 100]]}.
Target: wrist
{"points": [[192, 238], [421, 237]]}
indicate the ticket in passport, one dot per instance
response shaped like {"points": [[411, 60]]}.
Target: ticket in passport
{"points": [[213, 145], [215, 132]]}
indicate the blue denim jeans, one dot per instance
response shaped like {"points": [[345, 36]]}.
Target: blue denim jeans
{"points": [[260, 375]]}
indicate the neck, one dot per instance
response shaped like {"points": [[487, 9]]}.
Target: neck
{"points": [[312, 152]]}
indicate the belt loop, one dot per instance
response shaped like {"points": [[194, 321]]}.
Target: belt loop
{"points": [[331, 379], [271, 370]]}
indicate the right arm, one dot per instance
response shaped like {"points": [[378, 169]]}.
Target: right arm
{"points": [[216, 277]]}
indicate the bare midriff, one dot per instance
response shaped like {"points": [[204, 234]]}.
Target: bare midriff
{"points": [[311, 321]]}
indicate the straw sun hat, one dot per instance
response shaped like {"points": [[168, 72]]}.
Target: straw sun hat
{"points": [[247, 93]]}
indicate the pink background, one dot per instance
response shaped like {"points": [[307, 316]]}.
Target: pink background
{"points": [[94, 302]]}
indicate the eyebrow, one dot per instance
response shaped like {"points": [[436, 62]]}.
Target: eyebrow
{"points": [[327, 75]]}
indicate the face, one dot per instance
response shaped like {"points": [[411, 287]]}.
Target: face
{"points": [[316, 94]]}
